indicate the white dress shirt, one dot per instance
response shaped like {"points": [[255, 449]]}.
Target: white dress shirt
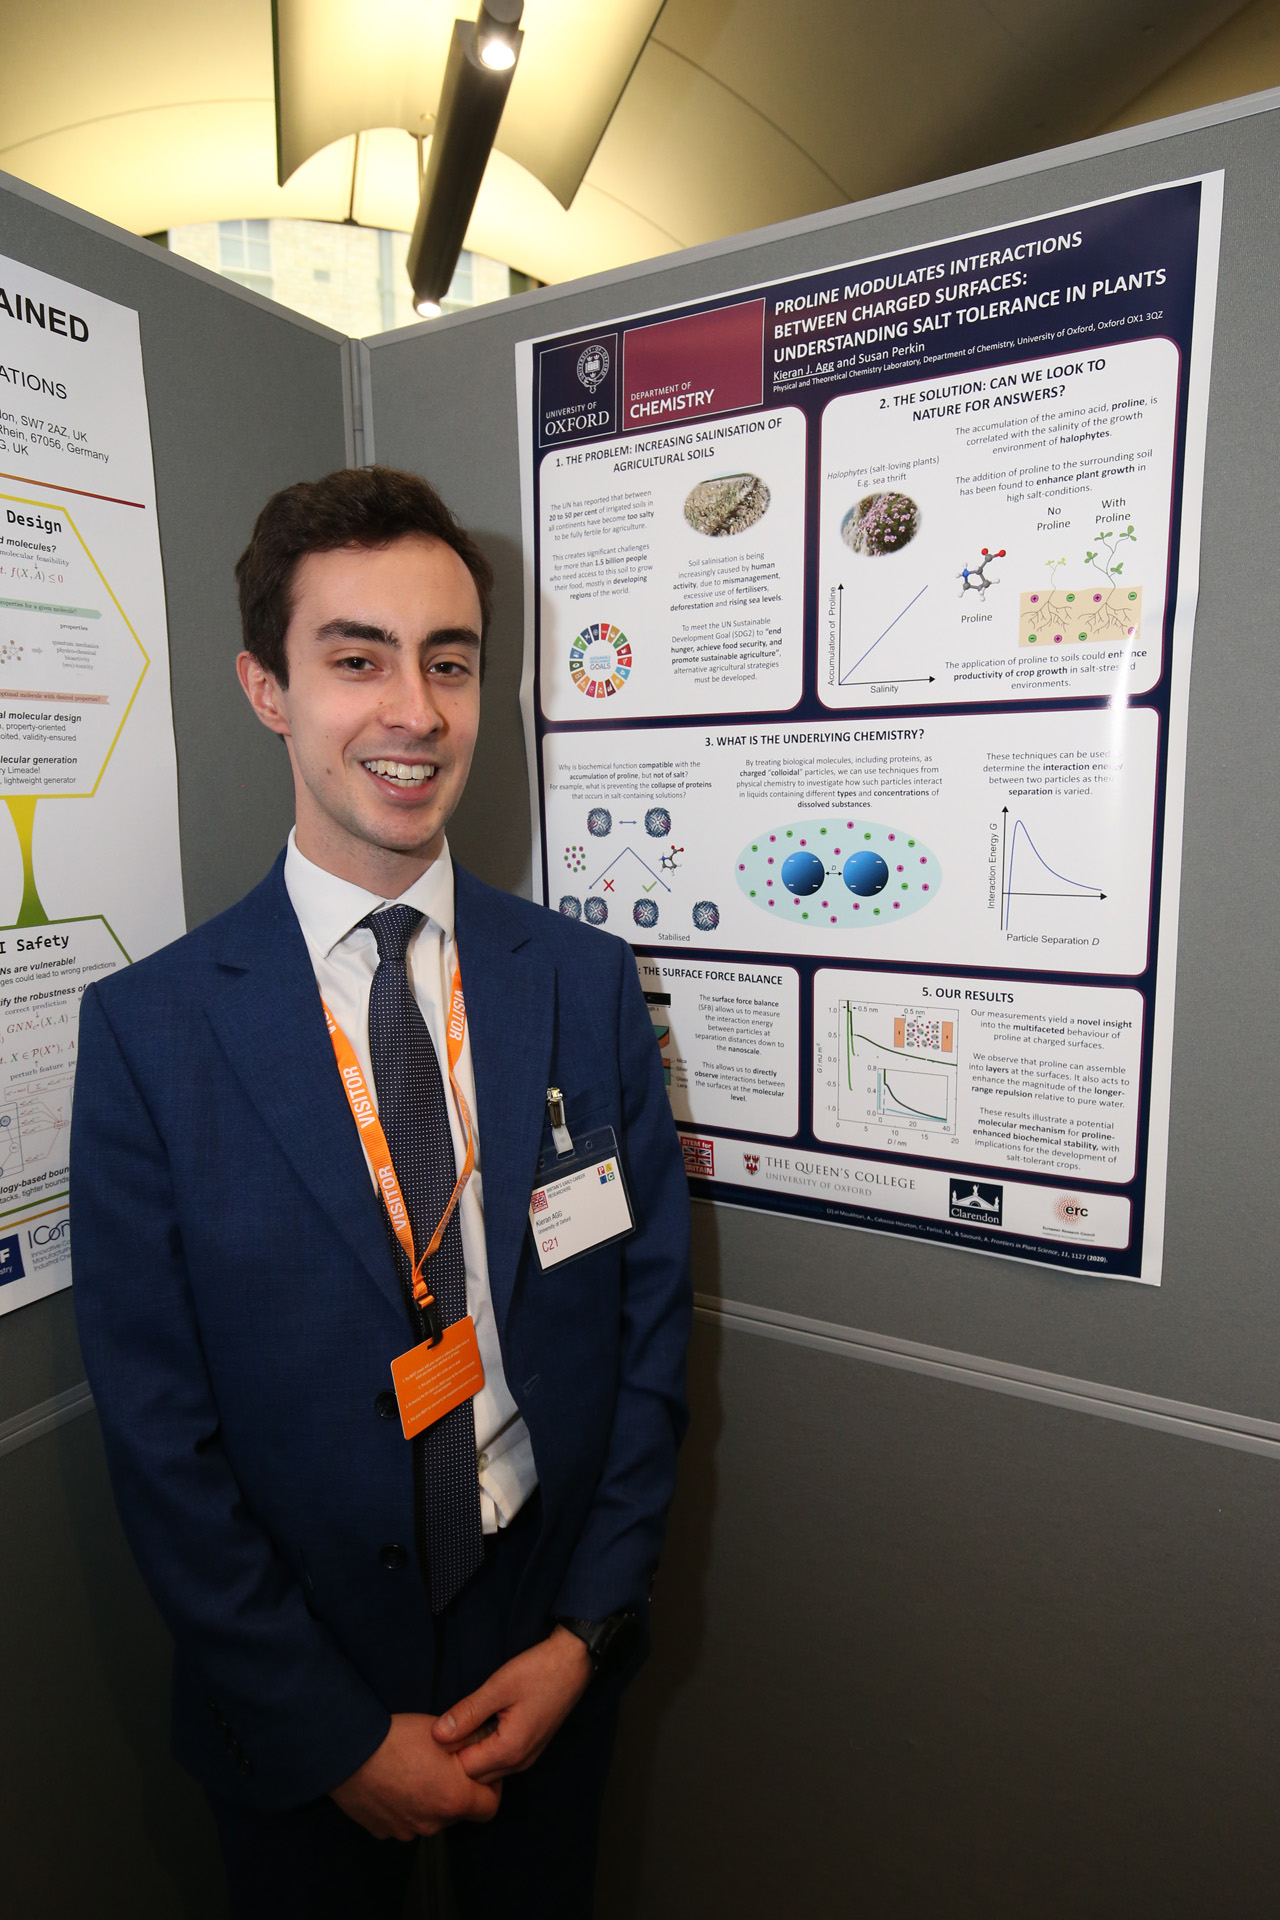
{"points": [[345, 958]]}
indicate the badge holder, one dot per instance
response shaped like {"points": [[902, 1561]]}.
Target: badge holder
{"points": [[580, 1202]]}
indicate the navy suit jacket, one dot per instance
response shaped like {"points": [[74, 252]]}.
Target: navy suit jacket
{"points": [[239, 1309]]}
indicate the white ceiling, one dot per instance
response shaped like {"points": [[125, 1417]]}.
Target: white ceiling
{"points": [[737, 113]]}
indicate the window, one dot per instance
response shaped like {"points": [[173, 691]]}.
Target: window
{"points": [[244, 253], [461, 288]]}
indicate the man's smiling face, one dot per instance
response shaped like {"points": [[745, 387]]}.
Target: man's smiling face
{"points": [[382, 707]]}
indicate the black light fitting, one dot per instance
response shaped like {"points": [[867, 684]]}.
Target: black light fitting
{"points": [[477, 79]]}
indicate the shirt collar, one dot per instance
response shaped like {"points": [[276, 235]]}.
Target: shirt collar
{"points": [[329, 908]]}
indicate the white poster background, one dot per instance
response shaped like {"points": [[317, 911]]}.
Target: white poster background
{"points": [[82, 633], [1139, 372]]}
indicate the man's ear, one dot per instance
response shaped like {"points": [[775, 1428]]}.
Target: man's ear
{"points": [[263, 692]]}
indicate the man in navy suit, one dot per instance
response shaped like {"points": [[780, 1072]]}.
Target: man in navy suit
{"points": [[380, 1637]]}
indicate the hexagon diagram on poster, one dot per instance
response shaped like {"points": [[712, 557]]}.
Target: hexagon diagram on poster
{"points": [[837, 871], [70, 663]]}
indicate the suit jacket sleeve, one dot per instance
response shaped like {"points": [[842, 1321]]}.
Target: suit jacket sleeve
{"points": [[296, 1717], [613, 1563]]}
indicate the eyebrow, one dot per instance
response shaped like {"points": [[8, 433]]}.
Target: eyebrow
{"points": [[383, 636]]}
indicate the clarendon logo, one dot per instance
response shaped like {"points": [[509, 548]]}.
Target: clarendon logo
{"points": [[971, 1200], [593, 365], [751, 1161], [699, 1156], [11, 1267], [1070, 1209], [540, 1200], [600, 661]]}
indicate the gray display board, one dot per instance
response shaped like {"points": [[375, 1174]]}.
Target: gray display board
{"points": [[443, 401], [243, 398], [922, 1647]]}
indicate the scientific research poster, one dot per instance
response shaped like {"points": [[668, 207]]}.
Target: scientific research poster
{"points": [[89, 870], [859, 621]]}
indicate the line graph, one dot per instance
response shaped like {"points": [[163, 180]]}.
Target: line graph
{"points": [[1010, 844], [846, 677], [899, 1068]]}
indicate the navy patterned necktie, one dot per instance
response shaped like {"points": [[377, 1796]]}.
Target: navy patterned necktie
{"points": [[415, 1119]]}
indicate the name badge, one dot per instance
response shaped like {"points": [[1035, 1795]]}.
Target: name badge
{"points": [[581, 1202], [432, 1381]]}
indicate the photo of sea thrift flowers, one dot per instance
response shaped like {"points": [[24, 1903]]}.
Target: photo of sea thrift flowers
{"points": [[728, 505], [881, 523]]}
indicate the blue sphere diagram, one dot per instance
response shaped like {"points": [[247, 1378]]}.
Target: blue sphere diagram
{"points": [[657, 823], [571, 906], [645, 913], [803, 873], [600, 822], [865, 874], [596, 911], [838, 873], [706, 916]]}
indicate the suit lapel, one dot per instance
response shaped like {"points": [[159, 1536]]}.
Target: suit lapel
{"points": [[509, 986], [268, 1018]]}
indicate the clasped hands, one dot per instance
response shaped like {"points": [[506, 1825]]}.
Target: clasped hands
{"points": [[432, 1771]]}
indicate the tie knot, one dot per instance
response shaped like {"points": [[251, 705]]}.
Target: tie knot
{"points": [[393, 928]]}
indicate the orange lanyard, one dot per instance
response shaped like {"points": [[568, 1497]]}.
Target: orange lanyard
{"points": [[374, 1140]]}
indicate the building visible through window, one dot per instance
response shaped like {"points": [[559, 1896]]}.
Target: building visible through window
{"points": [[244, 253], [348, 277]]}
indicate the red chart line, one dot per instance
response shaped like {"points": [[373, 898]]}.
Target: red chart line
{"points": [[52, 486]]}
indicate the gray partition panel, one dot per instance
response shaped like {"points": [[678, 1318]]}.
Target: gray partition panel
{"points": [[923, 1653], [443, 401], [243, 398]]}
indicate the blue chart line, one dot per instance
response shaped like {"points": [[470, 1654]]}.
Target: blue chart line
{"points": [[844, 678], [900, 1103], [1083, 890]]}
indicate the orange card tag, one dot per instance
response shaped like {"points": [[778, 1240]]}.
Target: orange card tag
{"points": [[432, 1381]]}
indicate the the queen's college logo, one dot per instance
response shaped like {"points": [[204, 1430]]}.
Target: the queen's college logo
{"points": [[751, 1161], [593, 365]]}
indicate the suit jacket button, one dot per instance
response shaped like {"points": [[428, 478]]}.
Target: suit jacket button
{"points": [[385, 1404], [393, 1556]]}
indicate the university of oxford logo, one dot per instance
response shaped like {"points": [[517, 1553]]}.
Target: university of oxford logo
{"points": [[593, 366]]}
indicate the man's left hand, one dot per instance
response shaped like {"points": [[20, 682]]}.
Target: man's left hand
{"points": [[529, 1697]]}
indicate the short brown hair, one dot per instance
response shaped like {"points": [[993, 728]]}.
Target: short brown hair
{"points": [[355, 507]]}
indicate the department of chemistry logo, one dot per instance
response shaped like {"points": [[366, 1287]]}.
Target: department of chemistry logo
{"points": [[971, 1200], [593, 365], [600, 661]]}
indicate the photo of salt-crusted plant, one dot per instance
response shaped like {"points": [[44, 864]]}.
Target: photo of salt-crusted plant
{"points": [[730, 504], [881, 523]]}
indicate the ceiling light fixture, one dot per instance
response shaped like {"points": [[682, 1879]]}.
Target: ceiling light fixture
{"points": [[496, 33], [472, 98]]}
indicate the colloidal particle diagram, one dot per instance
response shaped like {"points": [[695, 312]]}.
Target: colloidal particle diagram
{"points": [[838, 872]]}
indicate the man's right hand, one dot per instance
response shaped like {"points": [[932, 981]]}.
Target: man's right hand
{"points": [[410, 1785]]}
